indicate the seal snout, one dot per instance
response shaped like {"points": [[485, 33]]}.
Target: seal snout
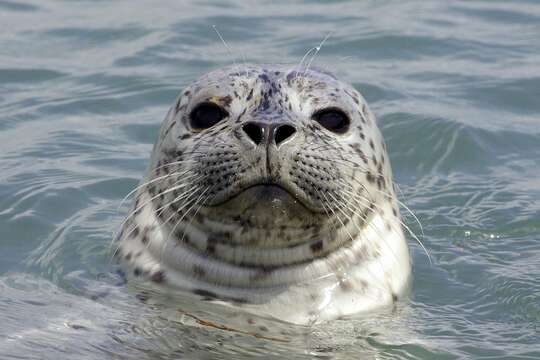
{"points": [[269, 133]]}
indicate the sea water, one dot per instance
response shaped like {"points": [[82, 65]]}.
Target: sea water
{"points": [[455, 85]]}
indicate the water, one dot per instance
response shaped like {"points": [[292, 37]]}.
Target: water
{"points": [[455, 85]]}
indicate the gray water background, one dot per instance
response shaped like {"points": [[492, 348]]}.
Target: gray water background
{"points": [[455, 85]]}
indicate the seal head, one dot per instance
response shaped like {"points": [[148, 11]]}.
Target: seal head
{"points": [[270, 186]]}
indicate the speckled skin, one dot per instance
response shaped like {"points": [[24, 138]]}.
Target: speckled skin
{"points": [[326, 241]]}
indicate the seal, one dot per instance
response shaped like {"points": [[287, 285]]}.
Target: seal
{"points": [[270, 188]]}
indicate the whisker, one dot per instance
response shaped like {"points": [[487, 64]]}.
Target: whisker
{"points": [[347, 203], [147, 184], [195, 214], [225, 44], [400, 204], [133, 212], [299, 66], [337, 217], [154, 222], [183, 195], [350, 163], [343, 226], [363, 170], [171, 232], [409, 210], [404, 225], [318, 48]]}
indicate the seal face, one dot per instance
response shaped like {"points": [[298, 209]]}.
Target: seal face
{"points": [[270, 187]]}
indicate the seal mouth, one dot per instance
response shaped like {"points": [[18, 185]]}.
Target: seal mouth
{"points": [[271, 194]]}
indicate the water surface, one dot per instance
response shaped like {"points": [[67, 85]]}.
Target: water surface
{"points": [[84, 86]]}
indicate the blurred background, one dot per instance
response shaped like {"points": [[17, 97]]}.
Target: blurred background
{"points": [[84, 86]]}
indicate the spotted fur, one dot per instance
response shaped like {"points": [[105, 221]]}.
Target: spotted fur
{"points": [[336, 249]]}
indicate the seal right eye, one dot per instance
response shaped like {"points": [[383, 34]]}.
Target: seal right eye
{"points": [[332, 119], [206, 115]]}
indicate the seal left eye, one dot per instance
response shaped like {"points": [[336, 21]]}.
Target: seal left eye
{"points": [[206, 115]]}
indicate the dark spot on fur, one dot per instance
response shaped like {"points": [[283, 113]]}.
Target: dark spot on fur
{"points": [[238, 301], [345, 285], [158, 277], [394, 297], [207, 295], [226, 100], [237, 134], [137, 271], [264, 78], [143, 296], [199, 271], [316, 246], [170, 126], [185, 136], [291, 76], [145, 239], [265, 103], [250, 95], [263, 272], [240, 116], [184, 238], [380, 182]]}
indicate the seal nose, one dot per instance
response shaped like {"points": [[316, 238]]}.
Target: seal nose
{"points": [[264, 132], [283, 132]]}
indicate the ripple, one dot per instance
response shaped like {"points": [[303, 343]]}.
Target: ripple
{"points": [[97, 36], [17, 6], [28, 75]]}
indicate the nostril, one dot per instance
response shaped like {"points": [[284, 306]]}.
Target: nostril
{"points": [[283, 133], [254, 132]]}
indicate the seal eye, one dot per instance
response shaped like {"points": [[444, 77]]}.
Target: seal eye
{"points": [[206, 115], [332, 119]]}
